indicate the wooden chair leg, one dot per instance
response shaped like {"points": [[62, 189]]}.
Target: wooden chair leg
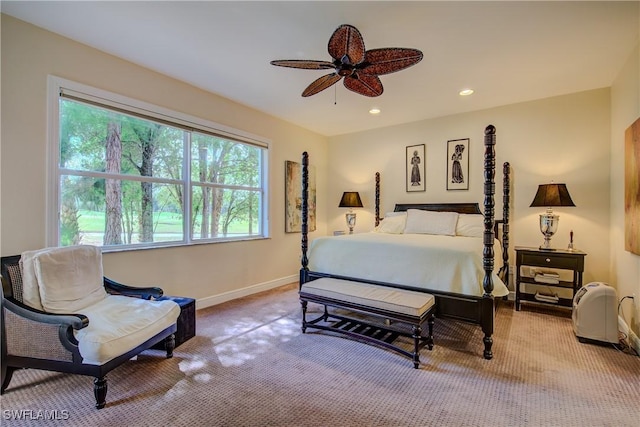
{"points": [[170, 345], [100, 391], [7, 373]]}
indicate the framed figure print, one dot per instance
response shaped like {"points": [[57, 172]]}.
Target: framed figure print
{"points": [[415, 168], [458, 164]]}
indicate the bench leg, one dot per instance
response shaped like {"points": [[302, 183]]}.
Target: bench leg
{"points": [[431, 321], [417, 333], [304, 316]]}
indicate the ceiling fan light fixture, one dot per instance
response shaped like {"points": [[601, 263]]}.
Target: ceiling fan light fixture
{"points": [[360, 68], [374, 111], [466, 92]]}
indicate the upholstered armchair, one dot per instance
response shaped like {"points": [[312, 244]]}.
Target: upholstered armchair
{"points": [[59, 313]]}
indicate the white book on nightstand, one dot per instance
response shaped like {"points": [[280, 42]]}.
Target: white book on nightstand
{"points": [[549, 277]]}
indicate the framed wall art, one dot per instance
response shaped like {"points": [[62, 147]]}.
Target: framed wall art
{"points": [[632, 188], [416, 180], [458, 164], [293, 197]]}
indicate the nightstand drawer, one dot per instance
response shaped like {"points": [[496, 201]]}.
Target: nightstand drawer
{"points": [[553, 261]]}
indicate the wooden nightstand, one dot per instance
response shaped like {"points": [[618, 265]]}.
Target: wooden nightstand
{"points": [[556, 260]]}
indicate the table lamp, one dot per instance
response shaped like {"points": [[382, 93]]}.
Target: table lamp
{"points": [[550, 195], [350, 199]]}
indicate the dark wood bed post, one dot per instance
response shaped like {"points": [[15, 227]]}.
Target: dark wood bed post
{"points": [[488, 313], [377, 198], [506, 200], [304, 271]]}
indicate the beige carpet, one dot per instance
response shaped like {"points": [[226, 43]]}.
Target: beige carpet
{"points": [[250, 366]]}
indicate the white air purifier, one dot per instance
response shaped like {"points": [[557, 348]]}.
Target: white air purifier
{"points": [[595, 313]]}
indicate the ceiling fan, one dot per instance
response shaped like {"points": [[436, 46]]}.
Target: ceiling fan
{"points": [[359, 67]]}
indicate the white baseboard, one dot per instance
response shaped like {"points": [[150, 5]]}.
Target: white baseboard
{"points": [[632, 338], [249, 290]]}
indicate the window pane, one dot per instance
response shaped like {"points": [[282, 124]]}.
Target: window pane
{"points": [[223, 161], [118, 212], [123, 181], [99, 140], [218, 212]]}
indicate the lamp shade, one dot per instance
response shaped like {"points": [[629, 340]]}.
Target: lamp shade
{"points": [[549, 195], [350, 199]]}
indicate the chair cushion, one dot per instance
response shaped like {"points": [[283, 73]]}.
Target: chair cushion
{"points": [[118, 324], [30, 289], [70, 278]]}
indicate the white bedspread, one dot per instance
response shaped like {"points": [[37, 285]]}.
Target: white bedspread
{"points": [[435, 262]]}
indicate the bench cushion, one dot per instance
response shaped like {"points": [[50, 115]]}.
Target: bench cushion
{"points": [[395, 300]]}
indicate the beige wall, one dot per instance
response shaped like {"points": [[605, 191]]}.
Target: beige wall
{"points": [[625, 266], [211, 272], [565, 139], [577, 139]]}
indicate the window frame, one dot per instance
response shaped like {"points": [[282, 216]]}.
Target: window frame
{"points": [[120, 103]]}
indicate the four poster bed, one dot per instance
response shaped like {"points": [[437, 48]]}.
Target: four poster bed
{"points": [[445, 249]]}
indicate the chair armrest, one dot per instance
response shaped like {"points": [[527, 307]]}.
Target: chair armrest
{"points": [[75, 321], [28, 319], [116, 288]]}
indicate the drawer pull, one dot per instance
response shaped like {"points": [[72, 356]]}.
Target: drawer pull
{"points": [[548, 260]]}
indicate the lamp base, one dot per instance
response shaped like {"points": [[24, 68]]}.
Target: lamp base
{"points": [[546, 246], [548, 227], [351, 221]]}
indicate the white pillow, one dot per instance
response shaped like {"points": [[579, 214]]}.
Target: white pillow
{"points": [[388, 214], [70, 278], [30, 289], [428, 222], [470, 225], [392, 224]]}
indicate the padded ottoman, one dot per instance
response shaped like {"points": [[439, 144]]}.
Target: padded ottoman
{"points": [[186, 327]]}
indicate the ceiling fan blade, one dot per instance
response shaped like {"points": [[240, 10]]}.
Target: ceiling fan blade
{"points": [[321, 84], [305, 64], [347, 40], [389, 60], [364, 85]]}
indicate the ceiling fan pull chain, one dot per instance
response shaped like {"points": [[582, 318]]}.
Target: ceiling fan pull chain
{"points": [[335, 95]]}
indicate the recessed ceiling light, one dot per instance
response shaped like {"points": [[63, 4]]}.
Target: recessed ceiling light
{"points": [[466, 92], [374, 111]]}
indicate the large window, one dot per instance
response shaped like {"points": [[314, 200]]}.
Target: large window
{"points": [[127, 174]]}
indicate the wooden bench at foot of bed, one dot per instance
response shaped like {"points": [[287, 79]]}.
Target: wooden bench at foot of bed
{"points": [[392, 304]]}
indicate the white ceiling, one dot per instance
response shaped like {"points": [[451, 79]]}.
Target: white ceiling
{"points": [[508, 52]]}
